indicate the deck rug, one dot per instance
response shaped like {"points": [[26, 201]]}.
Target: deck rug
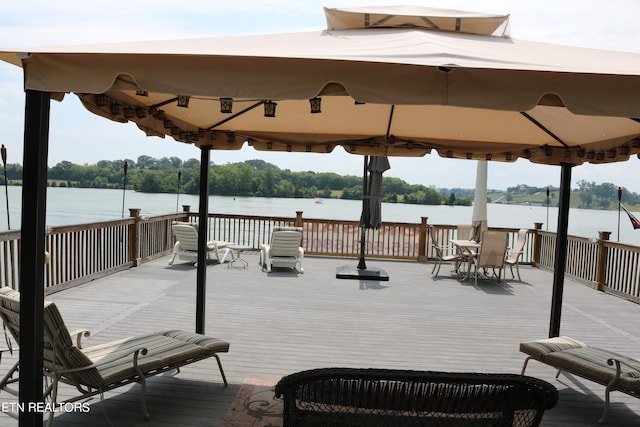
{"points": [[255, 405]]}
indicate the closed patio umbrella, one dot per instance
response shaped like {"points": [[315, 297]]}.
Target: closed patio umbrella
{"points": [[479, 215], [371, 217], [372, 198]]}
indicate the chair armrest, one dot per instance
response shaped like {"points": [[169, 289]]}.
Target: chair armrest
{"points": [[112, 357], [79, 333], [619, 364]]}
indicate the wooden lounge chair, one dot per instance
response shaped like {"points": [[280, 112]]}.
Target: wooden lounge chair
{"points": [[283, 250], [100, 368], [186, 246], [514, 254]]}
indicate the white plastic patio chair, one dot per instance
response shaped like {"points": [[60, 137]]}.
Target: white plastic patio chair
{"points": [[284, 249], [186, 246]]}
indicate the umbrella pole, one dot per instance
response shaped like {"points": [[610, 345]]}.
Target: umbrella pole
{"points": [[362, 265]]}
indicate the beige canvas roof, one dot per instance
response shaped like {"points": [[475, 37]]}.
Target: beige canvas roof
{"points": [[416, 16], [392, 81]]}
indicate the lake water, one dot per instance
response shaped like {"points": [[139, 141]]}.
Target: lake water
{"points": [[66, 206]]}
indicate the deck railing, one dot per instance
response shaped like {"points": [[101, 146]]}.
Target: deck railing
{"points": [[80, 253]]}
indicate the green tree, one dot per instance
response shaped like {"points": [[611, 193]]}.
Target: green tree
{"points": [[268, 182], [149, 182], [352, 193], [285, 188], [464, 201]]}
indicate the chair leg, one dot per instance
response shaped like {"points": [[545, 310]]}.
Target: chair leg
{"points": [[222, 258], [518, 271], [143, 398], [524, 367], [224, 378], [176, 249], [475, 272], [9, 379], [436, 266], [52, 392], [300, 259]]}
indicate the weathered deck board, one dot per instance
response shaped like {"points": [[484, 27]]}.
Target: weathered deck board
{"points": [[283, 322]]}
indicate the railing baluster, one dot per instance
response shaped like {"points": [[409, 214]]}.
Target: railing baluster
{"points": [[81, 252]]}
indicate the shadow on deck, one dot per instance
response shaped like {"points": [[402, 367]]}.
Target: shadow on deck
{"points": [[283, 322]]}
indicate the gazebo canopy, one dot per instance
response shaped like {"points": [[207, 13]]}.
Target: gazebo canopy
{"points": [[389, 81], [379, 81]]}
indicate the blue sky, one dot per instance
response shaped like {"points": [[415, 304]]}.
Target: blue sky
{"points": [[81, 137]]}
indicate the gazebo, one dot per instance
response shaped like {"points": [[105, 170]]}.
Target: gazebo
{"points": [[381, 81]]}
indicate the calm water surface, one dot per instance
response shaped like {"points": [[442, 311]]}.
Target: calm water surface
{"points": [[67, 206]]}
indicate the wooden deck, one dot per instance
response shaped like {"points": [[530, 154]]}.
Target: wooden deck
{"points": [[284, 322]]}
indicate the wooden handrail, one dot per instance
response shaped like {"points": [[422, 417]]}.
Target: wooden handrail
{"points": [[83, 252]]}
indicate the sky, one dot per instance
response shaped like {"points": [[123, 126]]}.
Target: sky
{"points": [[83, 138]]}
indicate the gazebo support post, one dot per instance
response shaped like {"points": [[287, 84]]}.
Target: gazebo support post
{"points": [[32, 248], [561, 250], [203, 237]]}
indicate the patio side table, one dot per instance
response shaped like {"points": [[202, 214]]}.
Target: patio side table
{"points": [[236, 254]]}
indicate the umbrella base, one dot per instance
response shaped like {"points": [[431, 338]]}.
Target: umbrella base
{"points": [[351, 272]]}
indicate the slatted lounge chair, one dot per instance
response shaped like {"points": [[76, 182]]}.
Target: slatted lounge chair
{"points": [[100, 368], [283, 250], [392, 397], [614, 371], [186, 246], [514, 254], [492, 252]]}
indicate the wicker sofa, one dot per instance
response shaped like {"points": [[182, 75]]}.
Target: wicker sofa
{"points": [[388, 397], [613, 370]]}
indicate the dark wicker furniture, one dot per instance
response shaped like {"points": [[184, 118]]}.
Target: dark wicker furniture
{"points": [[386, 397]]}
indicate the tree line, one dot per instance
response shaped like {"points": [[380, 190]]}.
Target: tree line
{"points": [[604, 196], [590, 195], [248, 178], [259, 178]]}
